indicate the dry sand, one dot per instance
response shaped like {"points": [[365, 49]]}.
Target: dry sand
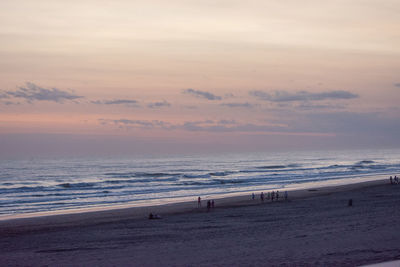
{"points": [[314, 228]]}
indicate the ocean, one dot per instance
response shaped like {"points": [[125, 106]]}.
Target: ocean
{"points": [[58, 184]]}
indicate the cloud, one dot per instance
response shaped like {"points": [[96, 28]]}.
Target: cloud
{"points": [[232, 126], [308, 106], [227, 122], [194, 126], [9, 103], [284, 96], [238, 105], [159, 104], [202, 94], [137, 123], [3, 96], [128, 102], [397, 84], [32, 92]]}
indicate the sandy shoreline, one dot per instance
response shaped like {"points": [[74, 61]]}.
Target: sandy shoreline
{"points": [[315, 227], [189, 203]]}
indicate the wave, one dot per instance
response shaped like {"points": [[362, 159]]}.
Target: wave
{"points": [[222, 173], [76, 185], [272, 167], [140, 174], [196, 176], [366, 162], [359, 166], [22, 189], [222, 181], [171, 179], [213, 182]]}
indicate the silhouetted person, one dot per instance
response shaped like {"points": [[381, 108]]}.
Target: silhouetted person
{"points": [[212, 203], [262, 196], [208, 205], [350, 202], [391, 180], [199, 202], [252, 196]]}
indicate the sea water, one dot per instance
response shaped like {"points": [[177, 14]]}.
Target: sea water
{"points": [[40, 185]]}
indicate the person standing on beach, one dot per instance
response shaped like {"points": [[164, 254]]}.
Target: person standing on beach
{"points": [[277, 195], [208, 205], [199, 202], [252, 196], [272, 195], [212, 203], [391, 180], [262, 196]]}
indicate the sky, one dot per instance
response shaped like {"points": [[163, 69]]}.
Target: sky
{"points": [[120, 77]]}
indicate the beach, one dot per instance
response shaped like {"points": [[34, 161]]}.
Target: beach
{"points": [[315, 226]]}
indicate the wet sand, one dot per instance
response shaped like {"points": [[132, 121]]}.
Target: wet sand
{"points": [[314, 227]]}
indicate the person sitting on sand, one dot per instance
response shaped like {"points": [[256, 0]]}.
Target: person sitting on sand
{"points": [[154, 216]]}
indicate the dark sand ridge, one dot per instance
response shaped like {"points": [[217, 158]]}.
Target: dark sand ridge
{"points": [[314, 228]]}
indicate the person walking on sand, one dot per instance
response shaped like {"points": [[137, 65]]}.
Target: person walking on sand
{"points": [[199, 202]]}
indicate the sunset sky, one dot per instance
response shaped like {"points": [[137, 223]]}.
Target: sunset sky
{"points": [[195, 76]]}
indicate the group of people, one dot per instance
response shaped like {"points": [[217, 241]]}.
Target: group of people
{"points": [[394, 180], [270, 196], [210, 203]]}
